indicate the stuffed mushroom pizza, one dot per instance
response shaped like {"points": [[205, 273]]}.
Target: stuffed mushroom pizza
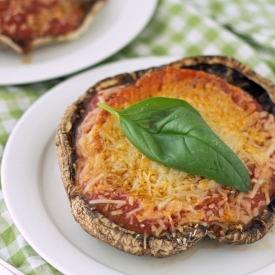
{"points": [[153, 161], [28, 24]]}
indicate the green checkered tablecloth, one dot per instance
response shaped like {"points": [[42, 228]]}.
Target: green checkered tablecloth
{"points": [[241, 29], [251, 20]]}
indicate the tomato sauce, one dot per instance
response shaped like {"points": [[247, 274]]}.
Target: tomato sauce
{"points": [[122, 219], [26, 20]]}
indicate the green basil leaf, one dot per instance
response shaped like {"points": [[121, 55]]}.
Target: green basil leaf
{"points": [[171, 132]]}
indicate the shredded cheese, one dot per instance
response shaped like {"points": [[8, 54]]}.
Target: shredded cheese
{"points": [[107, 201]]}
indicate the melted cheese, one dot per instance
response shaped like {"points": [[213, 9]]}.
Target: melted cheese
{"points": [[25, 20], [166, 199]]}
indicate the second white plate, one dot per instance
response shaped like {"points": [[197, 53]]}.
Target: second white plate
{"points": [[115, 25], [37, 201]]}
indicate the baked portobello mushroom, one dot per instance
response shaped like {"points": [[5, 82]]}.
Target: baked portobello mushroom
{"points": [[137, 205], [28, 24]]}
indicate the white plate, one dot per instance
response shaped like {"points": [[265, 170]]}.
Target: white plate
{"points": [[37, 202], [115, 25]]}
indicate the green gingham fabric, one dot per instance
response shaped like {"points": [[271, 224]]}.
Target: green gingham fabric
{"points": [[178, 28], [252, 20]]}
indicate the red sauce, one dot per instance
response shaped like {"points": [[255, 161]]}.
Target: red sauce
{"points": [[130, 223], [25, 20]]}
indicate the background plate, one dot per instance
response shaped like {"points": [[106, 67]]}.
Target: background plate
{"points": [[117, 23], [37, 202]]}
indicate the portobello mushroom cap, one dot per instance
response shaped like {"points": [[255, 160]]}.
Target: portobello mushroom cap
{"points": [[92, 7], [99, 226]]}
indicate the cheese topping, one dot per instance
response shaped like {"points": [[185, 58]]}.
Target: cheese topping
{"points": [[24, 20], [146, 197]]}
